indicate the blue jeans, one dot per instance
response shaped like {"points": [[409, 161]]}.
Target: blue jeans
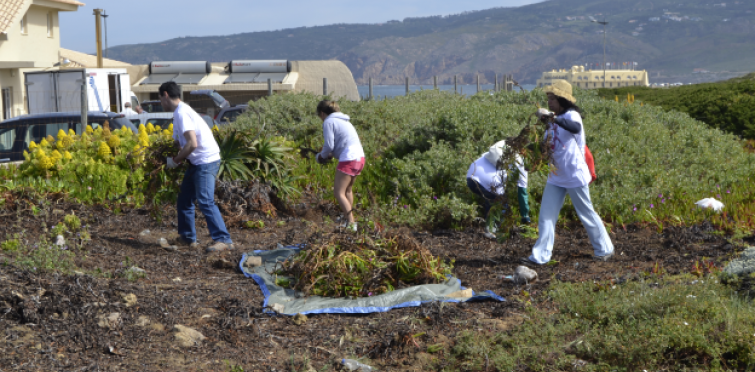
{"points": [[553, 200], [199, 185]]}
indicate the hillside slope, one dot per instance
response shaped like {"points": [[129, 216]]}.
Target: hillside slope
{"points": [[524, 41]]}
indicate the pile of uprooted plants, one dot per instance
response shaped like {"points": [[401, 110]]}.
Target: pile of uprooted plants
{"points": [[347, 266]]}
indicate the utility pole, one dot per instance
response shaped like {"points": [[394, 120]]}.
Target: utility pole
{"points": [[105, 16], [604, 23], [98, 32]]}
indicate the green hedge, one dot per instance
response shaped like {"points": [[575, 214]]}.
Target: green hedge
{"points": [[725, 105]]}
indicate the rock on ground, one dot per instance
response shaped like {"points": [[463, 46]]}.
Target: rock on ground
{"points": [[129, 299], [110, 321], [743, 265], [524, 275], [187, 337]]}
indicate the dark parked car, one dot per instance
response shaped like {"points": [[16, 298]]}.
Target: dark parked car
{"points": [[152, 106], [16, 134], [229, 114], [206, 101]]}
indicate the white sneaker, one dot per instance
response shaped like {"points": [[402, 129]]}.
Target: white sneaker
{"points": [[349, 227], [490, 232]]}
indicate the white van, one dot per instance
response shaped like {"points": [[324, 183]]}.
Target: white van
{"points": [[108, 89]]}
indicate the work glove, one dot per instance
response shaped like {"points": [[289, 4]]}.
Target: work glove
{"points": [[171, 163], [542, 114], [321, 160]]}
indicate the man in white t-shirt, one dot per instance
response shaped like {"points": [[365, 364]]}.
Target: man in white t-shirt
{"points": [[199, 149]]}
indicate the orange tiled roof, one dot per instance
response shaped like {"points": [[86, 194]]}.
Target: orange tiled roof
{"points": [[11, 11], [72, 2]]}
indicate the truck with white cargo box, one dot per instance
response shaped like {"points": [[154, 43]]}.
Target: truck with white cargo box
{"points": [[108, 89]]}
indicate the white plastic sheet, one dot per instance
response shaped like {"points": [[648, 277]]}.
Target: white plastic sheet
{"points": [[711, 203]]}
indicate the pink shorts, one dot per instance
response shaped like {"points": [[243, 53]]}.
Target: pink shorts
{"points": [[352, 168]]}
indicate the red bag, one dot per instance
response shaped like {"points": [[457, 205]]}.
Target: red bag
{"points": [[590, 164]]}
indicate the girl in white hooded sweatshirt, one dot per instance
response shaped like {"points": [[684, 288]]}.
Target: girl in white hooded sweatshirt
{"points": [[342, 142]]}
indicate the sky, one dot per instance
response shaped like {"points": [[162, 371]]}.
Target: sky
{"points": [[150, 21]]}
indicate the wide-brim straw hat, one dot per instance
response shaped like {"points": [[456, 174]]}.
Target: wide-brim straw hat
{"points": [[495, 152], [561, 88]]}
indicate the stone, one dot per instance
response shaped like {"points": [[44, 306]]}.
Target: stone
{"points": [[157, 327], [145, 233], [137, 270], [466, 293], [742, 265], [253, 261], [129, 299], [109, 321], [187, 337], [278, 308], [143, 321], [299, 319], [524, 275]]}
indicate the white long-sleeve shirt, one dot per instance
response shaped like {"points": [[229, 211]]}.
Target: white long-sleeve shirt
{"points": [[341, 139], [491, 178], [568, 152]]}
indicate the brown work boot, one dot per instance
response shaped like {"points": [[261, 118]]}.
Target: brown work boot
{"points": [[177, 243], [220, 247]]}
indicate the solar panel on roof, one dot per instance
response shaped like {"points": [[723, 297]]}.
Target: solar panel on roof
{"points": [[158, 78], [241, 77], [189, 78]]}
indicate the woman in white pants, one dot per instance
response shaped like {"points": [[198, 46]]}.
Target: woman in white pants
{"points": [[566, 136]]}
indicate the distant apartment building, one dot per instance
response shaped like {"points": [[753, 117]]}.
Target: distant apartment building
{"points": [[29, 40], [593, 79]]}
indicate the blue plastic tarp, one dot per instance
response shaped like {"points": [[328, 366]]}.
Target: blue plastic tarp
{"points": [[289, 302]]}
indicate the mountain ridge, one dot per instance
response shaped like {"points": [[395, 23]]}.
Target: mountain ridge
{"points": [[523, 41]]}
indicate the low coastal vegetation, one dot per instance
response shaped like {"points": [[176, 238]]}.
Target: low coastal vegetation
{"points": [[725, 105]]}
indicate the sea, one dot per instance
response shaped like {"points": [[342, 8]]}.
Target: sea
{"points": [[389, 91]]}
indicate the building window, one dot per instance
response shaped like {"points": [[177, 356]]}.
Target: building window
{"points": [[7, 101], [49, 24], [23, 25]]}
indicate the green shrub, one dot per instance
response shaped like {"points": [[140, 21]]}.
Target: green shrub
{"points": [[676, 324], [72, 222], [10, 245], [419, 148], [724, 105], [46, 256]]}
